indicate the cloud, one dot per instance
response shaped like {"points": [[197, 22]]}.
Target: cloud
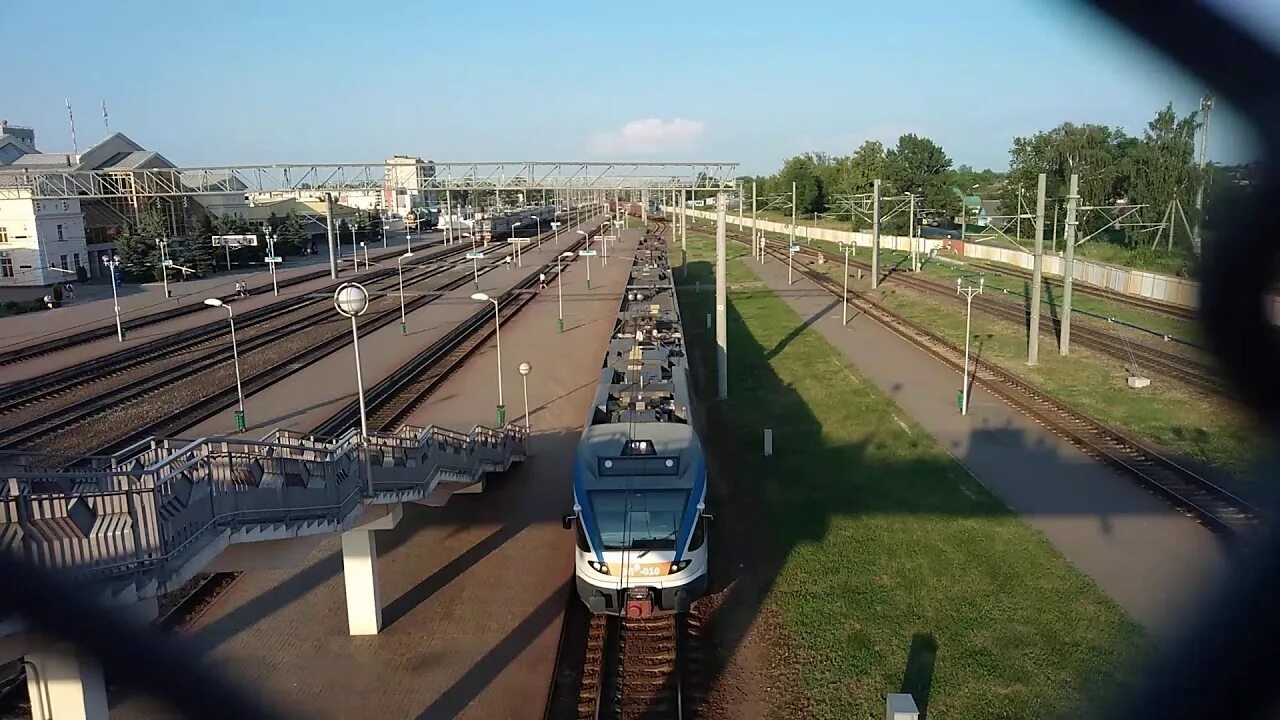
{"points": [[648, 136]]}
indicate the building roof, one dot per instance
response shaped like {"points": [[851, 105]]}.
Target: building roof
{"points": [[18, 143], [44, 160], [134, 160], [312, 208]]}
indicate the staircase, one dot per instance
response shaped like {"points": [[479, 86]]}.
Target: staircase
{"points": [[142, 522]]}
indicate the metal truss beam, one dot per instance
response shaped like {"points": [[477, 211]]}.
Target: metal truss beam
{"points": [[340, 177]]}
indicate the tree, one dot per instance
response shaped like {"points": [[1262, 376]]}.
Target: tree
{"points": [[1092, 151], [919, 166], [203, 256], [802, 171], [289, 238], [1161, 168], [137, 256]]}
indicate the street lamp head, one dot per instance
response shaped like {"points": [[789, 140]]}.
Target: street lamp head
{"points": [[582, 233], [481, 297], [213, 302], [525, 368], [566, 254], [351, 299], [407, 254]]}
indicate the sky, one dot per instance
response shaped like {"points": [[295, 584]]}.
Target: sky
{"points": [[246, 81]]}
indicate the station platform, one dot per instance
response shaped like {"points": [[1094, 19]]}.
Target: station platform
{"points": [[1153, 561], [305, 399], [475, 591], [93, 308]]}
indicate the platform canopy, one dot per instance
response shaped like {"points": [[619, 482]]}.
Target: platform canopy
{"points": [[38, 183]]}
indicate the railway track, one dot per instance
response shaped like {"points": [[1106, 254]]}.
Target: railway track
{"points": [[35, 350], [1213, 505], [214, 333], [637, 668], [402, 392], [1139, 357]]}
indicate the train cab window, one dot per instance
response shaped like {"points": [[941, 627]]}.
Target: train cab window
{"points": [[699, 534], [582, 537]]}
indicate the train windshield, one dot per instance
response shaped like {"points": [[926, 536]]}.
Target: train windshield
{"points": [[631, 520]]}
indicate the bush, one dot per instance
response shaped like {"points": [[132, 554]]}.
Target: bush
{"points": [[57, 292]]}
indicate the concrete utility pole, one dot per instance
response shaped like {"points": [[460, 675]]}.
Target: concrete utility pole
{"points": [[1069, 240], [875, 234], [448, 214], [1037, 268], [792, 242], [684, 221], [1206, 105], [333, 252], [911, 234], [722, 302], [755, 233]]}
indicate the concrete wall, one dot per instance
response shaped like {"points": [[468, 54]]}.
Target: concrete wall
{"points": [[1173, 290]]}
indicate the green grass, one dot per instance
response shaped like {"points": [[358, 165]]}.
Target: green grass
{"points": [[1189, 422], [888, 551]]}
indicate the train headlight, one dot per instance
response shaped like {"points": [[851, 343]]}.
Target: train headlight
{"points": [[602, 568], [678, 566]]}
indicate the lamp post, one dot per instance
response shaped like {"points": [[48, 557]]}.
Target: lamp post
{"points": [[587, 254], [400, 275], [791, 252], [475, 259], [539, 221], [351, 300], [525, 368], [114, 264], [164, 264], [968, 290], [272, 260], [235, 357], [516, 240], [560, 286], [355, 251], [497, 334]]}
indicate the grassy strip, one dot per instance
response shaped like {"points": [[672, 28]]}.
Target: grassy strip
{"points": [[1207, 428], [895, 569]]}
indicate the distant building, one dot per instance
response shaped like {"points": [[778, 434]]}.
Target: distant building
{"points": [[40, 237], [407, 184]]}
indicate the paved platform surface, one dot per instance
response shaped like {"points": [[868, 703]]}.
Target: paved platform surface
{"points": [[475, 591], [30, 328], [307, 398], [1152, 560]]}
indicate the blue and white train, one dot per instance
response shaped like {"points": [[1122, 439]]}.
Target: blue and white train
{"points": [[640, 477]]}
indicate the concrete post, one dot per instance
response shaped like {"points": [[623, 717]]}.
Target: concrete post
{"points": [[360, 572], [722, 302], [1037, 270], [875, 234], [65, 685], [756, 250], [1069, 245], [684, 221], [333, 248]]}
